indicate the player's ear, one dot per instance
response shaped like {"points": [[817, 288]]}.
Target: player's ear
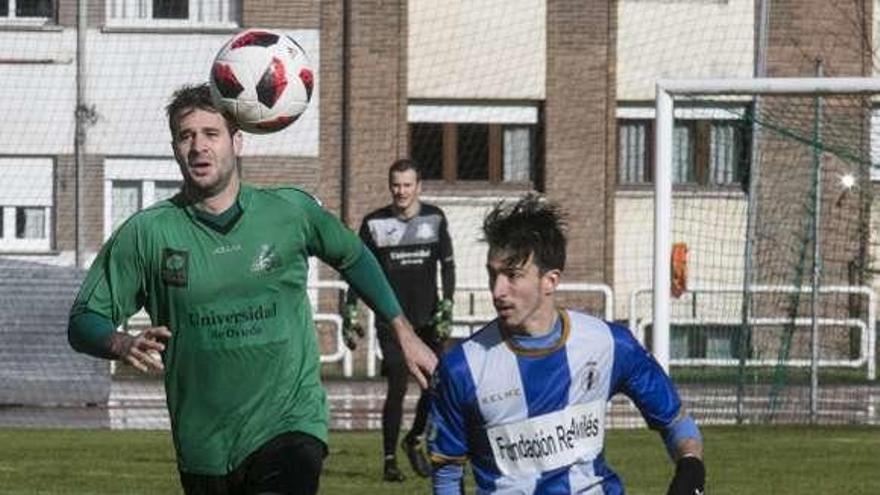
{"points": [[550, 280], [237, 142], [174, 150]]}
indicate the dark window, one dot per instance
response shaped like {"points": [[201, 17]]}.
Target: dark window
{"points": [[30, 223], [426, 142], [28, 8], [20, 221], [33, 8], [475, 152], [170, 9]]}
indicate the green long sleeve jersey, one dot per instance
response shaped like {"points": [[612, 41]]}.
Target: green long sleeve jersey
{"points": [[242, 365]]}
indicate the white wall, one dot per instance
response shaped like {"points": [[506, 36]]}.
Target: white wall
{"points": [[131, 77], [460, 49], [39, 91], [682, 39]]}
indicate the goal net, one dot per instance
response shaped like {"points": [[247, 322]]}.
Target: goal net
{"points": [[770, 199], [763, 252]]}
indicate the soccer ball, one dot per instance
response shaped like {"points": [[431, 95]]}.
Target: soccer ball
{"points": [[262, 79]]}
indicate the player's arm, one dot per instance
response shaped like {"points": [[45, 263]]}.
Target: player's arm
{"points": [[351, 296], [111, 292], [641, 378], [367, 278], [442, 319], [685, 445], [446, 479], [352, 330], [95, 334], [338, 246], [447, 436]]}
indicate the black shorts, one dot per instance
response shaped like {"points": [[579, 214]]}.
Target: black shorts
{"points": [[392, 356], [287, 464]]}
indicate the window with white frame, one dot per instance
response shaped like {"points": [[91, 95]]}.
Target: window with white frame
{"points": [[27, 11], [26, 204], [710, 148], [474, 142], [173, 13], [875, 143], [134, 184]]}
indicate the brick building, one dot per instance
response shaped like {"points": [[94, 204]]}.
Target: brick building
{"points": [[496, 98]]}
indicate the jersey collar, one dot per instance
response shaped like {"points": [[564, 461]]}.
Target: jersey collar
{"points": [[244, 199], [566, 329]]}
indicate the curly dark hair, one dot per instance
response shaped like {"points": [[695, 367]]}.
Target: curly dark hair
{"points": [[191, 97], [531, 226]]}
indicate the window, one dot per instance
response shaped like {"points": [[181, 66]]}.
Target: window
{"points": [[28, 228], [635, 151], [706, 152], [131, 185], [128, 197], [519, 146], [26, 11], [172, 13], [126, 201], [30, 222], [170, 9], [875, 143], [26, 201], [474, 151], [490, 142], [163, 190], [426, 148]]}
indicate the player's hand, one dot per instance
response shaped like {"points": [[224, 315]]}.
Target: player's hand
{"points": [[419, 358], [442, 320], [141, 350], [690, 477], [352, 330]]}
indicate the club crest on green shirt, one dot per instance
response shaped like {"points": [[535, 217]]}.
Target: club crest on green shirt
{"points": [[266, 260], [174, 267]]}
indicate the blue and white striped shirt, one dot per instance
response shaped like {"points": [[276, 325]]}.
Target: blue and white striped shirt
{"points": [[533, 420]]}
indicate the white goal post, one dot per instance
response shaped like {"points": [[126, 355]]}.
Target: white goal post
{"points": [[663, 147]]}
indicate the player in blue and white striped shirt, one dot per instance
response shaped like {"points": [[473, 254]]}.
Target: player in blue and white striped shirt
{"points": [[524, 398]]}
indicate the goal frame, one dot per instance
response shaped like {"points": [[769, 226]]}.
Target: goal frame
{"points": [[666, 90]]}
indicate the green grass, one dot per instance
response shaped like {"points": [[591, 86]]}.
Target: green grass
{"points": [[780, 460]]}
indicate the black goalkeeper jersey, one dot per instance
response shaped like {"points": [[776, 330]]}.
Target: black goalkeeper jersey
{"points": [[409, 251]]}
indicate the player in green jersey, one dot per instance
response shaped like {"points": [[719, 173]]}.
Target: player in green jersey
{"points": [[221, 269]]}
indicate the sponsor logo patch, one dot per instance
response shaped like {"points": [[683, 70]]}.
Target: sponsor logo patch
{"points": [[175, 267], [500, 396], [266, 260], [589, 376], [549, 441]]}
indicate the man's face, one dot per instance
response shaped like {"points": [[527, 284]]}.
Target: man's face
{"points": [[522, 296], [405, 189], [206, 151]]}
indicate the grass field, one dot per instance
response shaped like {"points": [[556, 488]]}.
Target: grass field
{"points": [[777, 460]]}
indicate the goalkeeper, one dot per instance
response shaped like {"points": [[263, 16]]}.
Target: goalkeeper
{"points": [[409, 238]]}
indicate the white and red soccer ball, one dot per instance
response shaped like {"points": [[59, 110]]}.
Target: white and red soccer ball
{"points": [[262, 78]]}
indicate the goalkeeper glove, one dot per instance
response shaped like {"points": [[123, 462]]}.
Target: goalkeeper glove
{"points": [[351, 327], [442, 320], [690, 476]]}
